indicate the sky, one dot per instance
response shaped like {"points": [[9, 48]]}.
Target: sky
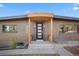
{"points": [[62, 9]]}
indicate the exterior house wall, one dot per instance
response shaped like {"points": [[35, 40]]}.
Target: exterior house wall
{"points": [[21, 35], [46, 27], [64, 36], [33, 30], [6, 39]]}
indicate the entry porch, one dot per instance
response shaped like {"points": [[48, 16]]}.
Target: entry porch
{"points": [[40, 27]]}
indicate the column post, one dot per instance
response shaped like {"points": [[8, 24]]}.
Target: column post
{"points": [[51, 31], [29, 32]]}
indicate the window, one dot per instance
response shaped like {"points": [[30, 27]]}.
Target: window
{"points": [[39, 24], [39, 33], [61, 28], [78, 28], [39, 36], [39, 30], [68, 28], [9, 28], [39, 27]]}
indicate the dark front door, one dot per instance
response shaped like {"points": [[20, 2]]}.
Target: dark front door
{"points": [[39, 31]]}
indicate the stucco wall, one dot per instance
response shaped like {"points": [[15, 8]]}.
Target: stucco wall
{"points": [[19, 36]]}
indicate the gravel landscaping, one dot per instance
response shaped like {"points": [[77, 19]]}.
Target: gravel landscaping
{"points": [[73, 49]]}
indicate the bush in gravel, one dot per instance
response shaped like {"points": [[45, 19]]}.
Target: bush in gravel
{"points": [[13, 44]]}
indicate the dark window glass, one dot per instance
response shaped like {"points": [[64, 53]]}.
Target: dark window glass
{"points": [[9, 28], [68, 28]]}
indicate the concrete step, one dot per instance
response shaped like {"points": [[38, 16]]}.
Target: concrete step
{"points": [[39, 42], [40, 45], [34, 48], [34, 42], [40, 51]]}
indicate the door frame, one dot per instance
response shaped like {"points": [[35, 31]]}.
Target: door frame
{"points": [[40, 29]]}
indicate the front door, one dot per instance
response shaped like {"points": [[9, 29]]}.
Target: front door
{"points": [[39, 31]]}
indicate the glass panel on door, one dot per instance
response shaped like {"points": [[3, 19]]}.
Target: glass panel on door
{"points": [[39, 27], [39, 30], [39, 24], [39, 36], [39, 33]]}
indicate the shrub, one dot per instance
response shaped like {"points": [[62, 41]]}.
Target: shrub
{"points": [[13, 44]]}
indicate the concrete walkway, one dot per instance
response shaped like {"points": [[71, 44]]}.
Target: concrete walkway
{"points": [[27, 52], [35, 48], [39, 48]]}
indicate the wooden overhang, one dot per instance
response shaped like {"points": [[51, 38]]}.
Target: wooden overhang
{"points": [[40, 16]]}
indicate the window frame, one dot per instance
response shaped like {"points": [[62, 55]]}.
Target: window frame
{"points": [[64, 26], [10, 31]]}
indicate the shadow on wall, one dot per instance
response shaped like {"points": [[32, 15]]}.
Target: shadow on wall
{"points": [[14, 45], [18, 45]]}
